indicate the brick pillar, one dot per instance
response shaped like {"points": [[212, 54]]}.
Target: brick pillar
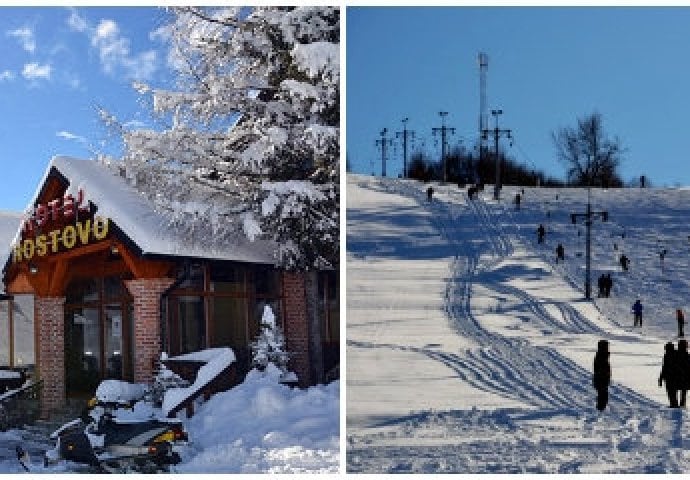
{"points": [[147, 329], [297, 325], [49, 318]]}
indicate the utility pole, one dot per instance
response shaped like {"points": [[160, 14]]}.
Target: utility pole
{"points": [[383, 143], [497, 132], [483, 116], [588, 216], [404, 134], [442, 130]]}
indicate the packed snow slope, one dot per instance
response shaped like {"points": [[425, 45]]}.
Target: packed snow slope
{"points": [[470, 350]]}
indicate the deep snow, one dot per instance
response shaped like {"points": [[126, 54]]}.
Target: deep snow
{"points": [[470, 350], [260, 426]]}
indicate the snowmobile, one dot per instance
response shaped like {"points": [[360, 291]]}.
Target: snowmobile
{"points": [[103, 443]]}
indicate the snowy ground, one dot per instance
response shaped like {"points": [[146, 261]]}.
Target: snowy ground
{"points": [[260, 426], [470, 350]]}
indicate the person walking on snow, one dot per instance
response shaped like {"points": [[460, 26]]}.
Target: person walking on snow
{"points": [[601, 377], [541, 231], [637, 311], [560, 253], [684, 370], [670, 374], [429, 193], [608, 285], [680, 317]]}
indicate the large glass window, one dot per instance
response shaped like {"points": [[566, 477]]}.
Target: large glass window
{"points": [[23, 330], [190, 313], [5, 333], [221, 305], [329, 293]]}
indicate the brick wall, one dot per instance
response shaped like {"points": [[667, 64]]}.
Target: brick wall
{"points": [[297, 325], [146, 293], [49, 318]]}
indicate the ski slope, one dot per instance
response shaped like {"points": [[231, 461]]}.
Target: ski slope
{"points": [[469, 349]]}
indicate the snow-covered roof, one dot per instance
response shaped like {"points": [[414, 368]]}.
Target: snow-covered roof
{"points": [[136, 217], [9, 224]]}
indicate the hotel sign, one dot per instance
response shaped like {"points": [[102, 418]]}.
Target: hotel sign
{"points": [[68, 208]]}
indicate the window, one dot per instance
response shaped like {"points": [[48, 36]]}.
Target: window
{"points": [[190, 313], [329, 295], [23, 330], [5, 333], [221, 306]]}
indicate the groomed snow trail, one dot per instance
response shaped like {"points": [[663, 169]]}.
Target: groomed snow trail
{"points": [[469, 353]]}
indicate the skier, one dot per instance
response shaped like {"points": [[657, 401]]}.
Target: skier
{"points": [[637, 311], [560, 252], [517, 201], [670, 374], [541, 231], [625, 262], [602, 374], [429, 193], [680, 317], [684, 370]]}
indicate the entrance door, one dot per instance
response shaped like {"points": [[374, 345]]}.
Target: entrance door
{"points": [[83, 350], [98, 330], [113, 340]]}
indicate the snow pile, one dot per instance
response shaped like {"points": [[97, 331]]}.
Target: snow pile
{"points": [[262, 426], [117, 391], [217, 360]]}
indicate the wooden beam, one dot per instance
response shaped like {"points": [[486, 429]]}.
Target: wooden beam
{"points": [[57, 283], [77, 252], [142, 268], [20, 284]]}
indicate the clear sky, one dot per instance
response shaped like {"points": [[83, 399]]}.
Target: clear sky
{"points": [[548, 66], [57, 65]]}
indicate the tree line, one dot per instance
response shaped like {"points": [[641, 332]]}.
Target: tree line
{"points": [[589, 155]]}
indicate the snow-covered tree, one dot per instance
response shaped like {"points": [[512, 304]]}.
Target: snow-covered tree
{"points": [[250, 147], [269, 346]]}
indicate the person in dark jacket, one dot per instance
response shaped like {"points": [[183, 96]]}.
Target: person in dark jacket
{"points": [[429, 193], [560, 253], [541, 231], [684, 370], [608, 285], [601, 283], [670, 374], [680, 318], [637, 312], [602, 374]]}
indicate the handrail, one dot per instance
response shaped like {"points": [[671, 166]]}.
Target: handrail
{"points": [[20, 406], [223, 380]]}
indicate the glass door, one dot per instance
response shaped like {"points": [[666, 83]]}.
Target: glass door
{"points": [[114, 342], [82, 350]]}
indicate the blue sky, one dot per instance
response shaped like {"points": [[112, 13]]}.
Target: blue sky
{"points": [[548, 66], [57, 65]]}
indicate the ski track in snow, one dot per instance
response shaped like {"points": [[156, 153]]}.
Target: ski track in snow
{"points": [[560, 432]]}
